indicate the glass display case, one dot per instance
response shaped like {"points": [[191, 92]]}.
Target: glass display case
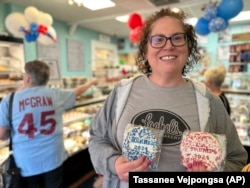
{"points": [[240, 112], [77, 167], [11, 64]]}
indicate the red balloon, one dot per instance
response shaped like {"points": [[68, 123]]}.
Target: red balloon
{"points": [[135, 34], [42, 29], [134, 20]]}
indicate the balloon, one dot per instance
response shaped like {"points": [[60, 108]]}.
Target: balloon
{"points": [[31, 37], [42, 29], [210, 13], [31, 34], [218, 24], [31, 14], [201, 26], [49, 38], [135, 34], [44, 19], [134, 21], [228, 9], [33, 27], [14, 22]]}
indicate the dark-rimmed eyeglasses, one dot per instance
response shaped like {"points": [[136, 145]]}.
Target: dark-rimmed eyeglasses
{"points": [[158, 41]]}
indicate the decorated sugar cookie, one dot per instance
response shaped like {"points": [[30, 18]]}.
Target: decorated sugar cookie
{"points": [[140, 141], [201, 146]]}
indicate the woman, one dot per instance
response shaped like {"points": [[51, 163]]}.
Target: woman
{"points": [[213, 79], [167, 51]]}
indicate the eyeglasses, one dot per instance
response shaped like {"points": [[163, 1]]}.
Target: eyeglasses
{"points": [[158, 41]]}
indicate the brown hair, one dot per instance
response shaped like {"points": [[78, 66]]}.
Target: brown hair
{"points": [[194, 55], [38, 71]]}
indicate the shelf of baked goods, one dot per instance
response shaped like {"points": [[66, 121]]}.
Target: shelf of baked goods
{"points": [[240, 114], [244, 133], [8, 86], [239, 57], [76, 124], [7, 58], [10, 79], [4, 152], [76, 137], [7, 83], [236, 91]]}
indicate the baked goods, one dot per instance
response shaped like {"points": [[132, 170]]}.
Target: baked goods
{"points": [[79, 126], [202, 146], [142, 141], [246, 168]]}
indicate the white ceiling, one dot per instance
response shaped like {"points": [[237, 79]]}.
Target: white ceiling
{"points": [[104, 21]]}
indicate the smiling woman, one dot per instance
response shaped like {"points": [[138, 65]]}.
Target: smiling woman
{"points": [[161, 98]]}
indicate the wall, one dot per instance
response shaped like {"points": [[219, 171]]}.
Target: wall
{"points": [[85, 36], [81, 34]]}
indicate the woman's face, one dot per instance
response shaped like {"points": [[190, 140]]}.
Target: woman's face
{"points": [[168, 59]]}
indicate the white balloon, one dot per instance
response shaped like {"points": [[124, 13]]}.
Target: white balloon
{"points": [[31, 14], [47, 40], [14, 22], [44, 19]]}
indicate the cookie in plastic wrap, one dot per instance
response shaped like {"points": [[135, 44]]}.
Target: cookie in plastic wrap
{"points": [[205, 147], [142, 141]]}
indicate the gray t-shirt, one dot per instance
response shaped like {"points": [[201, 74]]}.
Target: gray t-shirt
{"points": [[151, 105]]}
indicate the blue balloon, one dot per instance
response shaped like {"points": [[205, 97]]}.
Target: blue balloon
{"points": [[201, 26], [218, 24], [228, 9], [33, 36], [210, 13], [33, 26], [28, 38]]}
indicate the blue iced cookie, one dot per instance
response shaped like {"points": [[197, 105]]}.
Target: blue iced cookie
{"points": [[140, 141]]}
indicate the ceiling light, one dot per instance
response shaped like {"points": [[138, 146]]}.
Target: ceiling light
{"points": [[122, 18], [242, 16], [192, 21], [93, 4], [175, 9]]}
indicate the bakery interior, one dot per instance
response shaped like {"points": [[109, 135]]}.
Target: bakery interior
{"points": [[84, 43]]}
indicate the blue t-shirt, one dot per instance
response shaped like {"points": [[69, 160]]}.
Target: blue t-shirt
{"points": [[37, 134]]}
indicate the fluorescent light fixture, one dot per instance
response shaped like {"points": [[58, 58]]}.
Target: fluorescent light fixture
{"points": [[93, 4], [242, 16], [123, 19], [175, 9], [192, 21]]}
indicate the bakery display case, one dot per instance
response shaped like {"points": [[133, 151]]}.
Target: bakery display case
{"points": [[239, 57], [11, 64], [76, 124], [78, 167], [238, 94], [240, 106], [239, 100]]}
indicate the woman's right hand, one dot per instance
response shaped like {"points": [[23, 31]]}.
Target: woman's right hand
{"points": [[123, 167]]}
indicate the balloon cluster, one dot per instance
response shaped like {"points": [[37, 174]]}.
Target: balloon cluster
{"points": [[33, 25], [135, 24], [216, 17]]}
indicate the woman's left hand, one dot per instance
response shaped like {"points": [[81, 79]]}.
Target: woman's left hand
{"points": [[196, 166]]}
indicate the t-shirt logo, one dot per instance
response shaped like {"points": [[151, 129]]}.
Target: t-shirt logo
{"points": [[173, 124]]}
